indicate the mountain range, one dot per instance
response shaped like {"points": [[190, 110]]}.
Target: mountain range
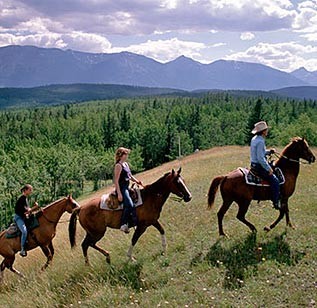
{"points": [[29, 66]]}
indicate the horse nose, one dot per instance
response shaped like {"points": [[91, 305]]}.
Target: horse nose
{"points": [[188, 198]]}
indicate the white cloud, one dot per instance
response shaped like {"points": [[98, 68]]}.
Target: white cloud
{"points": [[247, 36], [76, 40], [284, 56], [165, 50]]}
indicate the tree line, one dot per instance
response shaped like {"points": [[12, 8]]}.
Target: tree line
{"points": [[70, 148]]}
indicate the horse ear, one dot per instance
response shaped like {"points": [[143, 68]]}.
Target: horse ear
{"points": [[179, 170], [173, 171]]}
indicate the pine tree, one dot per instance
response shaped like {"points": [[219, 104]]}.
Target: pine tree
{"points": [[254, 117]]}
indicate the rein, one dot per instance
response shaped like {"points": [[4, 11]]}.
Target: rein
{"points": [[278, 155]]}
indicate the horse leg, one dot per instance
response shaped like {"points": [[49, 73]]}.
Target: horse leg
{"points": [[90, 241], [2, 268], [9, 265], [221, 213], [140, 229], [279, 218], [160, 228], [243, 208], [51, 248], [104, 252], [288, 221], [49, 256], [85, 245]]}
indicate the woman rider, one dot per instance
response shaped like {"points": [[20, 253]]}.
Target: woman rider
{"points": [[22, 210], [122, 177], [259, 163]]}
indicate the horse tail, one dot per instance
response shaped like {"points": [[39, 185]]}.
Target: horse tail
{"points": [[213, 190], [72, 227]]}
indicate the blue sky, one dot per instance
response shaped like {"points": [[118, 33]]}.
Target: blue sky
{"points": [[278, 33]]}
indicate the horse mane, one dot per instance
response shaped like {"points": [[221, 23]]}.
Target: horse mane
{"points": [[155, 187], [52, 203], [288, 147]]}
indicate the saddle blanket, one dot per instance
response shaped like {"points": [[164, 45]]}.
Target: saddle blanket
{"points": [[13, 230], [110, 201], [252, 179]]}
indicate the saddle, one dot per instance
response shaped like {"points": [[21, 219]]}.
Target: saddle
{"points": [[110, 201], [251, 178], [13, 230]]}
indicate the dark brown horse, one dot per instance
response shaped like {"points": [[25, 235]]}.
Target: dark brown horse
{"points": [[96, 220], [42, 236], [234, 188]]}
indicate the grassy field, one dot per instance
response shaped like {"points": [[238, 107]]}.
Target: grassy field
{"points": [[275, 269]]}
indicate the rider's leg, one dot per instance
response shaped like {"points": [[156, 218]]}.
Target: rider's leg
{"points": [[22, 227]]}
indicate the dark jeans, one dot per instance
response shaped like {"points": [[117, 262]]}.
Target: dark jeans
{"points": [[272, 179], [129, 212]]}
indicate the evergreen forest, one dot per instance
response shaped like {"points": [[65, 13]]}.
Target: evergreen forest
{"points": [[70, 148]]}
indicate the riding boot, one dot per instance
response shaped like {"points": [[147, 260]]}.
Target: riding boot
{"points": [[23, 252]]}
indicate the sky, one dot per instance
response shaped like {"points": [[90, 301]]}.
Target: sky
{"points": [[278, 33]]}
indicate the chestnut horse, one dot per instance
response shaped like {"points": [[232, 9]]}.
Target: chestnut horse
{"points": [[96, 220], [42, 236], [234, 188]]}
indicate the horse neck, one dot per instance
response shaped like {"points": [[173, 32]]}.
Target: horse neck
{"points": [[289, 161], [54, 211], [158, 190]]}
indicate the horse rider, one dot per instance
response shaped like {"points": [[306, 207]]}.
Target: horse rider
{"points": [[259, 163], [22, 210], [122, 177]]}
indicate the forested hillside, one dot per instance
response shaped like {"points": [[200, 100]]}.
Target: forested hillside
{"points": [[62, 149]]}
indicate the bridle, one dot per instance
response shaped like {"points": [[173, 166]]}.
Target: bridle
{"points": [[278, 155]]}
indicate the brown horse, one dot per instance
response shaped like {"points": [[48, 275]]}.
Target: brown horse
{"points": [[96, 220], [42, 236], [234, 188]]}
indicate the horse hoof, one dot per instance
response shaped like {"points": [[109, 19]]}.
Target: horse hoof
{"points": [[108, 259], [267, 229], [224, 235], [132, 259], [292, 226]]}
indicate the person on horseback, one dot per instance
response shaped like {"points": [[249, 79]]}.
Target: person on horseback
{"points": [[22, 210], [259, 163], [122, 177]]}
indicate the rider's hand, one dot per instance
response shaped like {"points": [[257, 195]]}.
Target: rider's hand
{"points": [[120, 198], [36, 204], [271, 171], [140, 183], [272, 151]]}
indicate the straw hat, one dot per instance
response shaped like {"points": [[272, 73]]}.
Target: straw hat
{"points": [[259, 127]]}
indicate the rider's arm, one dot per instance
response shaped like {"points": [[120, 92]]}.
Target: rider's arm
{"points": [[260, 152], [135, 180], [117, 172]]}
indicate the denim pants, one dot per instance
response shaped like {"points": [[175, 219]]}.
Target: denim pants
{"points": [[21, 225], [272, 179], [129, 211]]}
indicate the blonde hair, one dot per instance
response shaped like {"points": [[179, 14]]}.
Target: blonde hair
{"points": [[120, 152]]}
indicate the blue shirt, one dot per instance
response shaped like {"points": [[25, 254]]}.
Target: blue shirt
{"points": [[258, 152]]}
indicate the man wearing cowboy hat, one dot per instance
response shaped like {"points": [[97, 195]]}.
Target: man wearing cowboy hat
{"points": [[259, 163]]}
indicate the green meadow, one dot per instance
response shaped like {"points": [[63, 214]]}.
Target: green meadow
{"points": [[275, 269]]}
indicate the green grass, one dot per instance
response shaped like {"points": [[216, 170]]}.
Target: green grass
{"points": [[275, 269]]}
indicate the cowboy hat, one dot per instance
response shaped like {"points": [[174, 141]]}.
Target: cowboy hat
{"points": [[259, 127]]}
